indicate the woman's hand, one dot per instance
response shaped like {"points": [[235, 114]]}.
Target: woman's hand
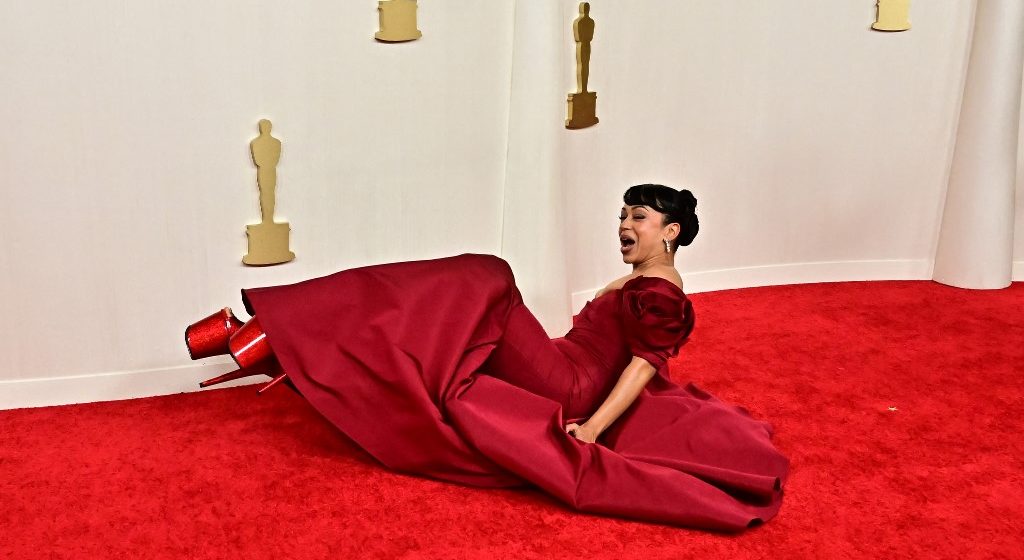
{"points": [[582, 433]]}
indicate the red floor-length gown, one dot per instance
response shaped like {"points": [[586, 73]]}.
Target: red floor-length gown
{"points": [[436, 367]]}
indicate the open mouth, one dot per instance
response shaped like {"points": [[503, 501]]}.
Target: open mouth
{"points": [[626, 244]]}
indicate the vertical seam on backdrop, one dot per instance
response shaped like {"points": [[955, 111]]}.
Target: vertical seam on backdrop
{"points": [[508, 132], [954, 129]]}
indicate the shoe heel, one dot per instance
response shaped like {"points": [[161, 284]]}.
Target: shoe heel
{"points": [[279, 379], [273, 370], [209, 336], [239, 374]]}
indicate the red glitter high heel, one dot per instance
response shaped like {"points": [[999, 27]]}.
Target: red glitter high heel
{"points": [[209, 336], [249, 348]]}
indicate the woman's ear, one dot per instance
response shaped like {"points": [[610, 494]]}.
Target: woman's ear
{"points": [[673, 231]]}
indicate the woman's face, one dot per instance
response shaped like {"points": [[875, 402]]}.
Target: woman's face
{"points": [[641, 235]]}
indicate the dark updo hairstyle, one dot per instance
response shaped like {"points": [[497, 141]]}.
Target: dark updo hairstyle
{"points": [[678, 206]]}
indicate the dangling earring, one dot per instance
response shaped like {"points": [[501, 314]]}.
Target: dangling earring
{"points": [[668, 248]]}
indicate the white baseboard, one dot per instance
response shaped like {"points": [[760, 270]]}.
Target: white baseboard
{"points": [[29, 393], [795, 273]]}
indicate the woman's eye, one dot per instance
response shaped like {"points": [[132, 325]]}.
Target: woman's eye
{"points": [[622, 217], [638, 217]]}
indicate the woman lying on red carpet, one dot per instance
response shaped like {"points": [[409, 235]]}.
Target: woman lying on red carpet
{"points": [[435, 367]]}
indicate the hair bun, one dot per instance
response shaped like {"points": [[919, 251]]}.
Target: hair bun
{"points": [[687, 204], [686, 199]]}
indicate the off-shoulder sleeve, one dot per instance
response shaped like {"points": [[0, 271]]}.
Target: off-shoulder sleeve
{"points": [[657, 318]]}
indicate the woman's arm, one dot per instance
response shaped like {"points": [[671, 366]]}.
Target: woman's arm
{"points": [[627, 388]]}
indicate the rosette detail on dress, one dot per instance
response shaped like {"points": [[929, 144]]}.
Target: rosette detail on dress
{"points": [[657, 318]]}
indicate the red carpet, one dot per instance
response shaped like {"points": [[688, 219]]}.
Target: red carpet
{"points": [[227, 474]]}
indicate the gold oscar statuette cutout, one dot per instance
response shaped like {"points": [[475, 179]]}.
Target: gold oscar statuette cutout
{"points": [[268, 240], [397, 21], [892, 15], [583, 103]]}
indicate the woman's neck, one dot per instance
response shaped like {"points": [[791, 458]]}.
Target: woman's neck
{"points": [[654, 262]]}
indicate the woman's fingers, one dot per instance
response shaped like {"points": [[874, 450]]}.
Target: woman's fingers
{"points": [[569, 428]]}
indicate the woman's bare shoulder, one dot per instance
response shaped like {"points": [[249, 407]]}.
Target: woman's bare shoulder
{"points": [[614, 285], [667, 272]]}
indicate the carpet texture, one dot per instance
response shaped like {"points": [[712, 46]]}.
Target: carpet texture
{"points": [[900, 403]]}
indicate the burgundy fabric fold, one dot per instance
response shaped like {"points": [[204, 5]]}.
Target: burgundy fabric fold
{"points": [[436, 368]]}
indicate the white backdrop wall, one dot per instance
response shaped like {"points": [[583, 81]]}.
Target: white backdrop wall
{"points": [[534, 211], [1018, 236], [126, 185], [818, 149], [975, 241]]}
